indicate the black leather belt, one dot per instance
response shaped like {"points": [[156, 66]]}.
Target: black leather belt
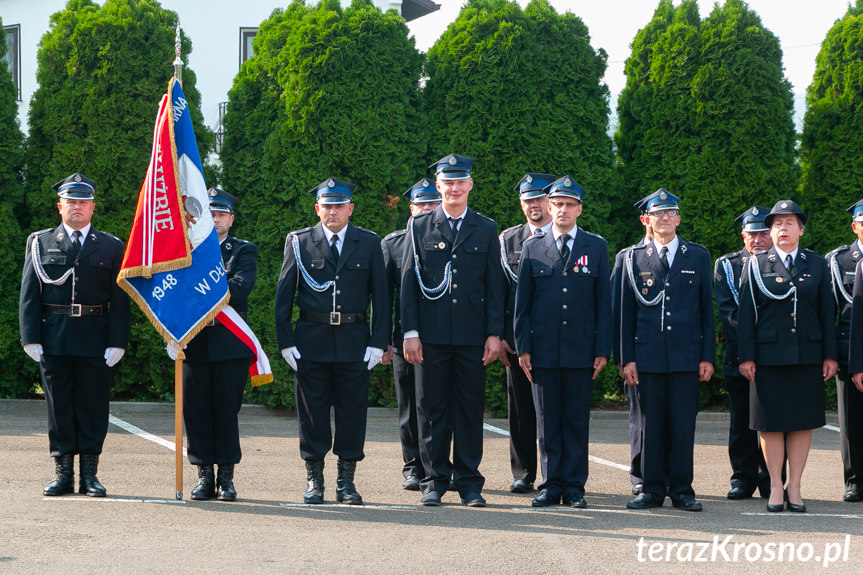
{"points": [[74, 309], [333, 318]]}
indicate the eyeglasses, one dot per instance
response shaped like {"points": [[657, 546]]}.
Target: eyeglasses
{"points": [[659, 214]]}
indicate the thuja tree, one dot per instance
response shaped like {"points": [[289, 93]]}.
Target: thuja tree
{"points": [[832, 144], [17, 372], [101, 72], [330, 92]]}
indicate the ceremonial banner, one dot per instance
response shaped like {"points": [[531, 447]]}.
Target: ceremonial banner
{"points": [[172, 267]]}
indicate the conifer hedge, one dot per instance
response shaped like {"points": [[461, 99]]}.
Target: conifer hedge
{"points": [[101, 74], [831, 150], [17, 371]]}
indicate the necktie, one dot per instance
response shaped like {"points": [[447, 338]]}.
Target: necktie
{"points": [[334, 246], [76, 242], [453, 224], [564, 247], [663, 257], [789, 264]]}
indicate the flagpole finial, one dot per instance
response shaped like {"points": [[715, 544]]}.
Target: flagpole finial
{"points": [[178, 62]]}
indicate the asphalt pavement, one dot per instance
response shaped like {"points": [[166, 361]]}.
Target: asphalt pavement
{"points": [[142, 528]]}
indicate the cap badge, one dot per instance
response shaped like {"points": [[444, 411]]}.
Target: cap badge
{"points": [[567, 182], [331, 183], [452, 161], [754, 211], [784, 205], [425, 183], [528, 179], [78, 178], [212, 193], [663, 195]]}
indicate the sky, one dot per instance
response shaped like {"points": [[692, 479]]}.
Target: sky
{"points": [[800, 25]]}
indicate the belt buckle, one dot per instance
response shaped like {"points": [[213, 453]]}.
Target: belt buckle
{"points": [[335, 318], [75, 310]]}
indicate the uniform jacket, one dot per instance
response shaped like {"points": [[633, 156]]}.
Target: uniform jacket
{"points": [[472, 309], [360, 281], [846, 258], [727, 306], [393, 248], [616, 292], [216, 343], [772, 338], [855, 346], [512, 240], [563, 312], [95, 283], [678, 341]]}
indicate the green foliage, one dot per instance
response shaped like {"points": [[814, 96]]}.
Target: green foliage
{"points": [[101, 73], [831, 151], [17, 373], [707, 114], [329, 93]]}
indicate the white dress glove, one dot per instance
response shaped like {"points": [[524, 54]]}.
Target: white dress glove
{"points": [[34, 350], [113, 355], [291, 355], [373, 356]]}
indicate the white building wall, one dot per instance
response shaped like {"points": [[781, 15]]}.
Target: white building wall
{"points": [[212, 25]]}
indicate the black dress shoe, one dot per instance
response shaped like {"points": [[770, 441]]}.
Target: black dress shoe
{"points": [[637, 488], [521, 486], [776, 508], [411, 483], [430, 499], [544, 499], [852, 496], [64, 482], [575, 501], [645, 501], [687, 503], [473, 500], [797, 508], [739, 492]]}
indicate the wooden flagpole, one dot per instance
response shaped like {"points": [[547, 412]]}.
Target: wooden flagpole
{"points": [[178, 363]]}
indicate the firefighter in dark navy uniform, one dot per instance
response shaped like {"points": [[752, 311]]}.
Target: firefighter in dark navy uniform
{"points": [[423, 197], [74, 321], [563, 336], [336, 272], [747, 462], [843, 264], [667, 347], [452, 317], [521, 412], [216, 368]]}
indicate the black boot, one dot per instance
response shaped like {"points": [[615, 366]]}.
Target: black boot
{"points": [[88, 483], [206, 486], [345, 490], [64, 482], [315, 476], [225, 483]]}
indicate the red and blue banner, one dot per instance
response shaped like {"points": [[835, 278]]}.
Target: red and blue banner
{"points": [[173, 267]]}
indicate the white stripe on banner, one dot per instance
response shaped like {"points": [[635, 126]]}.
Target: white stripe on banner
{"points": [[125, 425], [504, 432]]}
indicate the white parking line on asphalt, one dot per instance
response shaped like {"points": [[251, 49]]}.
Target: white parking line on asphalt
{"points": [[113, 500], [126, 426], [831, 428], [804, 515], [601, 461], [565, 509], [345, 506]]}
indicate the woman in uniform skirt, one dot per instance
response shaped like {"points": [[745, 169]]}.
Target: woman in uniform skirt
{"points": [[787, 347]]}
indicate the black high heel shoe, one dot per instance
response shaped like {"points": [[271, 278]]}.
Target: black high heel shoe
{"points": [[796, 508], [776, 508]]}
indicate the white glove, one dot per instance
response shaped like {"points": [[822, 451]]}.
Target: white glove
{"points": [[291, 355], [373, 356], [171, 349], [34, 350], [113, 355]]}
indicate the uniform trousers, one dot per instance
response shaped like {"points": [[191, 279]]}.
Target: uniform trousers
{"points": [[562, 400], [450, 387], [744, 450], [212, 397], [850, 404], [345, 387], [406, 396], [77, 390], [669, 403], [636, 434], [522, 422]]}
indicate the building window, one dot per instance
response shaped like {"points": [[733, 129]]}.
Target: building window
{"points": [[220, 129], [13, 54], [246, 37]]}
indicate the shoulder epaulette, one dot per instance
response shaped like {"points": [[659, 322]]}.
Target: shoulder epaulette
{"points": [[109, 236], [395, 234], [694, 245], [593, 235], [486, 218], [838, 250], [366, 231]]}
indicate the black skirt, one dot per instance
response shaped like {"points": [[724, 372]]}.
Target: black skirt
{"points": [[786, 398]]}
